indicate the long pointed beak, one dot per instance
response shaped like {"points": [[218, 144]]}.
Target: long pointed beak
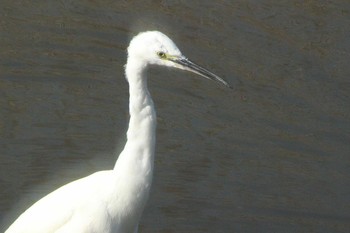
{"points": [[185, 64]]}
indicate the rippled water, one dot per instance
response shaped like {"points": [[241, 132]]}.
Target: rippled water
{"points": [[272, 155]]}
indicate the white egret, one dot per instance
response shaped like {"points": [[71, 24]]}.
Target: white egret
{"points": [[113, 200]]}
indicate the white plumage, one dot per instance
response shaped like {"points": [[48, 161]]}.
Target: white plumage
{"points": [[113, 200]]}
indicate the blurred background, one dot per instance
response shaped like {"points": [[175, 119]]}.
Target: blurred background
{"points": [[271, 155]]}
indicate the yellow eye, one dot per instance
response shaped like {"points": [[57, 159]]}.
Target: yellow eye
{"points": [[161, 54]]}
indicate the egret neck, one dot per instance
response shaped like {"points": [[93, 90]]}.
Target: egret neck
{"points": [[138, 153], [113, 201]]}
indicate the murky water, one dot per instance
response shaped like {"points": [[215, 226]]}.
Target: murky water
{"points": [[272, 155]]}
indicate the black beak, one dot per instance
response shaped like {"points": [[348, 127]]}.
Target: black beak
{"points": [[185, 64]]}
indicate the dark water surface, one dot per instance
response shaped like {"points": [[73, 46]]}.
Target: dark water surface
{"points": [[272, 155]]}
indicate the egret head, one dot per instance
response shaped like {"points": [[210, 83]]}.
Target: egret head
{"points": [[155, 48]]}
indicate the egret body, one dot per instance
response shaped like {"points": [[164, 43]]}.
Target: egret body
{"points": [[112, 201]]}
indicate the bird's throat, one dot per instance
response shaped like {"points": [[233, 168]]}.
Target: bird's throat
{"points": [[139, 149]]}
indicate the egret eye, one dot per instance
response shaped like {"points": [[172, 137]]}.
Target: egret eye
{"points": [[161, 54]]}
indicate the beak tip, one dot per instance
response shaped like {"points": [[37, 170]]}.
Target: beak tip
{"points": [[229, 86]]}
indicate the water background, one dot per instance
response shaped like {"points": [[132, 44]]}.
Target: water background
{"points": [[271, 155]]}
